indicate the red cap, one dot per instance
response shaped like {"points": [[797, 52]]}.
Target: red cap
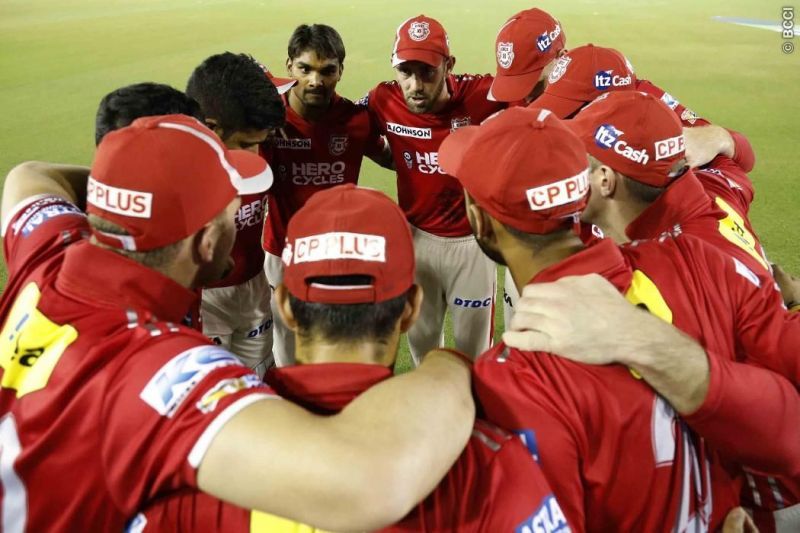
{"points": [[348, 231], [163, 178], [583, 74], [524, 167], [634, 133], [525, 44], [423, 39]]}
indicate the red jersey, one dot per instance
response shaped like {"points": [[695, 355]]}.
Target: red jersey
{"points": [[688, 117], [432, 200], [685, 203], [660, 470], [248, 257], [494, 486], [315, 156], [105, 402]]}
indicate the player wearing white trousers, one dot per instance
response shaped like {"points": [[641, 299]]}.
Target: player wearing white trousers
{"points": [[454, 274], [239, 319], [282, 337]]}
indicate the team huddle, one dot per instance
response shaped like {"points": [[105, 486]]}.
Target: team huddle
{"points": [[199, 332]]}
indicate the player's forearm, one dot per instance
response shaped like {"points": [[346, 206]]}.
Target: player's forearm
{"points": [[34, 177], [750, 415], [673, 364], [359, 470], [743, 153]]}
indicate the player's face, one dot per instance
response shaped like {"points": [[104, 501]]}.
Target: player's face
{"points": [[423, 86], [597, 203], [316, 78], [246, 139]]}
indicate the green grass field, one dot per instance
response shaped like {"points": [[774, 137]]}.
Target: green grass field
{"points": [[57, 59]]}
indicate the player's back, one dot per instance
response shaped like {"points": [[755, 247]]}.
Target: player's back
{"points": [[495, 485], [83, 376]]}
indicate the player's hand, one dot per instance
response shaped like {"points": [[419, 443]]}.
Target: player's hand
{"points": [[580, 317], [738, 521], [704, 143], [789, 285]]}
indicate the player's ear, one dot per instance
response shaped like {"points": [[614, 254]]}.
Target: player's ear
{"points": [[481, 225], [412, 308], [213, 125], [284, 307], [450, 63], [609, 181], [289, 66]]}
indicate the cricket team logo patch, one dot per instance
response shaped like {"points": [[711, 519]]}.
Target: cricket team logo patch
{"points": [[419, 31], [459, 122], [559, 70], [505, 54], [338, 144]]}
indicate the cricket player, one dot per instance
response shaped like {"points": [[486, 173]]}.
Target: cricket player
{"points": [[107, 402], [416, 112], [523, 203], [242, 107], [325, 138], [348, 294], [122, 106]]}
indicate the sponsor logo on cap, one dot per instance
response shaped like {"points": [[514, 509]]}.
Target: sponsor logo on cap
{"points": [[409, 131], [670, 147], [419, 31], [670, 100], [606, 136], [559, 69], [126, 202], [338, 144], [605, 79], [339, 245], [293, 144], [505, 54], [559, 193], [546, 39]]}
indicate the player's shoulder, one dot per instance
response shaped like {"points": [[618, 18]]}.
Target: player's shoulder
{"points": [[33, 212], [471, 82]]}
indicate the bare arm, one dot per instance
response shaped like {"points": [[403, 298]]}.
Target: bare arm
{"points": [[34, 178], [385, 158], [587, 320], [790, 287], [704, 143], [361, 469]]}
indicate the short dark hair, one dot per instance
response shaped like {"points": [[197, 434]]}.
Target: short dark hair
{"points": [[347, 322], [119, 108], [537, 241], [321, 38], [234, 90]]}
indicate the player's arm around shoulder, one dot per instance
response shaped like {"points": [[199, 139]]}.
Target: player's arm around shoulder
{"points": [[361, 469], [36, 178]]}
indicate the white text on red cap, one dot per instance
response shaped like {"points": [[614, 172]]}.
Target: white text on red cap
{"points": [[124, 202], [559, 193], [669, 147], [339, 245]]}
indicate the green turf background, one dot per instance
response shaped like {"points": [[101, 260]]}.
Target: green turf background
{"points": [[57, 59]]}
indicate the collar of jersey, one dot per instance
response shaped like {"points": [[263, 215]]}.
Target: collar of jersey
{"points": [[603, 258], [103, 278], [325, 388], [682, 201]]}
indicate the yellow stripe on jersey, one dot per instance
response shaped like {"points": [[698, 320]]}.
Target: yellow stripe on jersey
{"points": [[267, 523], [734, 230], [31, 344], [644, 292]]}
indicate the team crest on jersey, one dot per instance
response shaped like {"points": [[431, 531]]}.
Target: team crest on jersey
{"points": [[689, 116], [505, 54], [670, 100], [409, 159], [419, 31], [459, 122], [338, 144], [559, 69]]}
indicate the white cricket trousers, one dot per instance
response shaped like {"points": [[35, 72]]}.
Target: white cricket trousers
{"points": [[454, 274], [239, 319], [283, 337]]}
